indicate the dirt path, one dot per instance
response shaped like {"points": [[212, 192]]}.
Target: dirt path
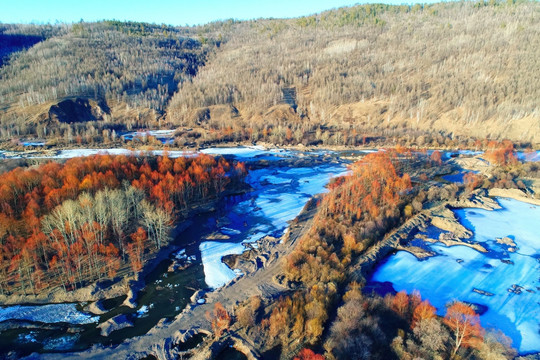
{"points": [[159, 340]]}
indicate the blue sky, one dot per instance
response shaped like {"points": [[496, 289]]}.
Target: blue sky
{"points": [[173, 12]]}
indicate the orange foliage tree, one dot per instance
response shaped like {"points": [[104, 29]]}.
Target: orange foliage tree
{"points": [[308, 354], [220, 319], [501, 153], [400, 303], [423, 311], [67, 251], [465, 325]]}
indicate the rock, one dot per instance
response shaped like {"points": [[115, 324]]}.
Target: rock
{"points": [[218, 236], [78, 110], [96, 308], [516, 289], [477, 199], [514, 194], [199, 294], [131, 300], [445, 219], [417, 251], [482, 292], [116, 323], [506, 241], [450, 239]]}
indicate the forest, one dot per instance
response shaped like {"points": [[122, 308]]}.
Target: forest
{"points": [[74, 223], [436, 74]]}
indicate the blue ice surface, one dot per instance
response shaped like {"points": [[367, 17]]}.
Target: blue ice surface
{"points": [[528, 156], [442, 279], [33, 143], [50, 313], [279, 195], [449, 154]]}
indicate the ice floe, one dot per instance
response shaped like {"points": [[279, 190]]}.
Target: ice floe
{"points": [[51, 313], [216, 273]]}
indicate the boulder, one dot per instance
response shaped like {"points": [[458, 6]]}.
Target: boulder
{"points": [[116, 323], [96, 308]]}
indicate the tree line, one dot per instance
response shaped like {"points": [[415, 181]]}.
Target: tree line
{"points": [[70, 224]]}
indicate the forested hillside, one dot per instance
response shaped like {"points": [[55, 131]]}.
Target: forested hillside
{"points": [[463, 68], [425, 73], [124, 72]]}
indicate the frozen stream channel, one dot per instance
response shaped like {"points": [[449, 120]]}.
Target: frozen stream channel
{"points": [[511, 276]]}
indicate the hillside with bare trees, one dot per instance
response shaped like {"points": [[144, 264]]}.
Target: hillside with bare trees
{"points": [[430, 74], [459, 68]]}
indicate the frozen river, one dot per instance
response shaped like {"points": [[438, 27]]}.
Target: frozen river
{"points": [[510, 273]]}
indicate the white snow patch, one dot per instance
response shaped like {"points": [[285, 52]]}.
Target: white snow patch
{"points": [[240, 151], [143, 311], [216, 273], [229, 231]]}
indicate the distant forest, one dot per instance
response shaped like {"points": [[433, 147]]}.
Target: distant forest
{"points": [[433, 74]]}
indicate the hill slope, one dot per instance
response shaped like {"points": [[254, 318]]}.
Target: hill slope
{"points": [[454, 69]]}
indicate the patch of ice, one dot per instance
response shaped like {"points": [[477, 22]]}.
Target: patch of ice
{"points": [[240, 151], [61, 343], [33, 143], [517, 315], [143, 311], [528, 156], [229, 231], [216, 273], [51, 313], [181, 254], [254, 237]]}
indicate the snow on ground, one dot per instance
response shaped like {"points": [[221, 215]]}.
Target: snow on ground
{"points": [[72, 153], [442, 279], [240, 151], [52, 313], [216, 273]]}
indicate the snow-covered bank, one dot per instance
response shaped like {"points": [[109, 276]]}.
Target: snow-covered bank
{"points": [[52, 313], [216, 273], [512, 277]]}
